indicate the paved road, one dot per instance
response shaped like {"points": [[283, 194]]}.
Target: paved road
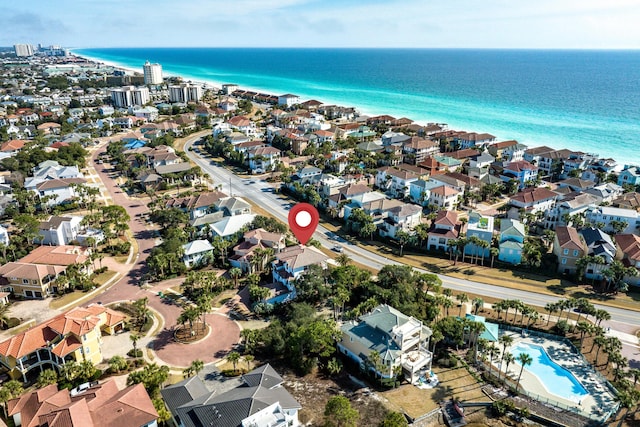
{"points": [[226, 332], [261, 193]]}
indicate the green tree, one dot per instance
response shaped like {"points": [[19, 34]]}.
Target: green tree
{"points": [[248, 358], [234, 357], [235, 273], [46, 377], [134, 341], [163, 413], [152, 376], [339, 413], [394, 419], [525, 360], [117, 364], [402, 237]]}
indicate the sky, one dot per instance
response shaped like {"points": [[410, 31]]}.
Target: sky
{"points": [[567, 24]]}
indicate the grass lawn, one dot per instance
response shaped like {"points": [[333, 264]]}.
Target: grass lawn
{"points": [[103, 278], [453, 382]]}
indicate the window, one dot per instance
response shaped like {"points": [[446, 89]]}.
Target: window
{"points": [[564, 260], [84, 337], [566, 252], [25, 281], [575, 252], [87, 350]]}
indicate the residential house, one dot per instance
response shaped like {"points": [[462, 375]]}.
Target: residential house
{"points": [[88, 405], [568, 247], [532, 200], [30, 280], [346, 194], [433, 167], [607, 192], [65, 256], [198, 205], [630, 175], [257, 399], [627, 201], [53, 192], [444, 197], [417, 149], [197, 253], [232, 206], [59, 230], [608, 218], [10, 148], [365, 200], [228, 226], [484, 160], [507, 151], [288, 100], [472, 139], [244, 125], [449, 163], [598, 243], [629, 245], [481, 227], [243, 253], [521, 171], [292, 262], [263, 159], [395, 182], [308, 174], [400, 218], [511, 241], [401, 341], [4, 235], [420, 190], [577, 184], [73, 336], [570, 204], [444, 228], [328, 185]]}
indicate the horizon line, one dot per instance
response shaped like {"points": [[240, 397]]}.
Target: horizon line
{"points": [[369, 48]]}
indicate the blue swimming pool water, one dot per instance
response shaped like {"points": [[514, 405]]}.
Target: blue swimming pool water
{"points": [[556, 379]]}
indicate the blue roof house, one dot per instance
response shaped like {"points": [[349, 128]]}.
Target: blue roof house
{"points": [[512, 234]]}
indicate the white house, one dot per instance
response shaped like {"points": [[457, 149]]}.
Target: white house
{"points": [[288, 100], [608, 215], [59, 230], [404, 217], [444, 197], [4, 236], [394, 181], [197, 252]]}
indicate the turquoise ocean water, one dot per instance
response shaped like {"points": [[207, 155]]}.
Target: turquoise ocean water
{"points": [[581, 100]]}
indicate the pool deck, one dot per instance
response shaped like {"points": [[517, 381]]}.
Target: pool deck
{"points": [[597, 403]]}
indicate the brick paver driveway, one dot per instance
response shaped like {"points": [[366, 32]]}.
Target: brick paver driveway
{"points": [[225, 332]]}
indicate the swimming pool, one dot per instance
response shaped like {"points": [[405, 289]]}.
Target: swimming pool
{"points": [[556, 379]]}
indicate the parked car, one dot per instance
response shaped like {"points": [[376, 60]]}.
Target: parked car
{"points": [[338, 248]]}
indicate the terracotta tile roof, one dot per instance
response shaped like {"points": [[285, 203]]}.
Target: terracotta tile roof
{"points": [[48, 125], [533, 195], [520, 166], [449, 218], [630, 245], [101, 405], [569, 238], [77, 322], [353, 189], [30, 271], [57, 255], [504, 144], [68, 345], [12, 145], [445, 191], [301, 256], [464, 154]]}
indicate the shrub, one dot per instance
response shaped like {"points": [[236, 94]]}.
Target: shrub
{"points": [[138, 353], [13, 322], [562, 327]]}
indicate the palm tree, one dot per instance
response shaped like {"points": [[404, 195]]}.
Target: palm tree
{"points": [[506, 340], [583, 328], [601, 342], [447, 304], [508, 359], [492, 350], [402, 237], [134, 340], [462, 298], [343, 260], [550, 308], [525, 360], [494, 253], [248, 358], [235, 274], [478, 303], [197, 366], [233, 357]]}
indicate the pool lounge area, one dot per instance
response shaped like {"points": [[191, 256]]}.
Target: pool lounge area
{"points": [[558, 375]]}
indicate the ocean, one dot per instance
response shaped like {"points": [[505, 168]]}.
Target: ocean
{"points": [[577, 99]]}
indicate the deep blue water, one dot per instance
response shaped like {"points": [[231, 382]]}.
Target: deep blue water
{"points": [[582, 100]]}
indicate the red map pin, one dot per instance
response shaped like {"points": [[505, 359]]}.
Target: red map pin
{"points": [[303, 221]]}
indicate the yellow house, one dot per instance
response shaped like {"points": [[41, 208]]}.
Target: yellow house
{"points": [[72, 336]]}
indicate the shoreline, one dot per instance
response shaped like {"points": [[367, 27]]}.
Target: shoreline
{"points": [[217, 84], [452, 125]]}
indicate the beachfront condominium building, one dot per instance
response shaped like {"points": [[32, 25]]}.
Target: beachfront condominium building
{"points": [[23, 49], [127, 96], [185, 93], [152, 73]]}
